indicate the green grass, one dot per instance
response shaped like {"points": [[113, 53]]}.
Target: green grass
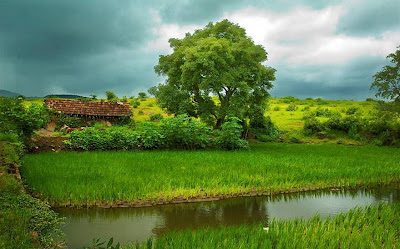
{"points": [[370, 227], [77, 178]]}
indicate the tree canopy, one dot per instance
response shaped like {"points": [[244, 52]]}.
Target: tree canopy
{"points": [[387, 81], [214, 73]]}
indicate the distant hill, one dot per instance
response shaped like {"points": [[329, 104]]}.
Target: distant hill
{"points": [[5, 93], [63, 96]]}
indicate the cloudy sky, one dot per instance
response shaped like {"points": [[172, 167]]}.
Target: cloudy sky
{"points": [[327, 49]]}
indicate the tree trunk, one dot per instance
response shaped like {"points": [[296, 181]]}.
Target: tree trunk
{"points": [[220, 121]]}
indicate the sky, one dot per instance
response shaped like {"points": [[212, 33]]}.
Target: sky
{"points": [[327, 49]]}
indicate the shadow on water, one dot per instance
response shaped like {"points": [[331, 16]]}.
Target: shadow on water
{"points": [[131, 224]]}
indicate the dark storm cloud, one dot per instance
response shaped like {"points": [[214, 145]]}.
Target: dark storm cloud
{"points": [[195, 11], [79, 46], [350, 80], [371, 18], [85, 47]]}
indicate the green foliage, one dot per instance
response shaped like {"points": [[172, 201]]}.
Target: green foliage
{"points": [[25, 222], [263, 128], [291, 107], [325, 112], [387, 81], [180, 132], [289, 99], [15, 118], [135, 103], [277, 108], [114, 138], [156, 117], [218, 60], [111, 96], [230, 135], [312, 125], [352, 110], [369, 227], [183, 132], [142, 95]]}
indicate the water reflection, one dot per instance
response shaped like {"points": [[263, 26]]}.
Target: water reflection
{"points": [[131, 224]]}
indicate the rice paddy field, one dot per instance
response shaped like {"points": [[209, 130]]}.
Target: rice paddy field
{"points": [[94, 178], [370, 227]]}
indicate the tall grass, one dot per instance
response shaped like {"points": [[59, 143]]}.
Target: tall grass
{"points": [[371, 227], [90, 178]]}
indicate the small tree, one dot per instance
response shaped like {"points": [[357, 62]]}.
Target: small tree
{"points": [[94, 96], [110, 95], [23, 121], [387, 83], [142, 95]]}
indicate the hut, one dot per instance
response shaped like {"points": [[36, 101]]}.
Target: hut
{"points": [[90, 110]]}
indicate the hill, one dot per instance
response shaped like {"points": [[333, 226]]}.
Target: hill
{"points": [[63, 96], [5, 93]]}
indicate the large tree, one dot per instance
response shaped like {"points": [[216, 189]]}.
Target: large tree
{"points": [[214, 73]]}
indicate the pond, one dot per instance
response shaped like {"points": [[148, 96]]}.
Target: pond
{"points": [[131, 224]]}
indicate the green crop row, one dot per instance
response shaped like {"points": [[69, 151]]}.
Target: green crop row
{"points": [[93, 178]]}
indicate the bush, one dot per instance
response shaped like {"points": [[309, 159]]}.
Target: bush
{"points": [[312, 125], [15, 118], [352, 110], [135, 104], [264, 129], [156, 117], [180, 132], [277, 108], [183, 132], [289, 99], [291, 108], [230, 135], [306, 108], [325, 112]]}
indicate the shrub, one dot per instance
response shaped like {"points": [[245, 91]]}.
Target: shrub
{"points": [[277, 108], [183, 132], [306, 108], [264, 129], [15, 118], [312, 125], [140, 112], [229, 137], [352, 110], [156, 117], [289, 99], [292, 107], [180, 132], [135, 104]]}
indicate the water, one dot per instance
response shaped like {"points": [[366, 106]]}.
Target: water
{"points": [[131, 224]]}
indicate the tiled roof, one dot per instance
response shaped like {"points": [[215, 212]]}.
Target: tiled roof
{"points": [[91, 108]]}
